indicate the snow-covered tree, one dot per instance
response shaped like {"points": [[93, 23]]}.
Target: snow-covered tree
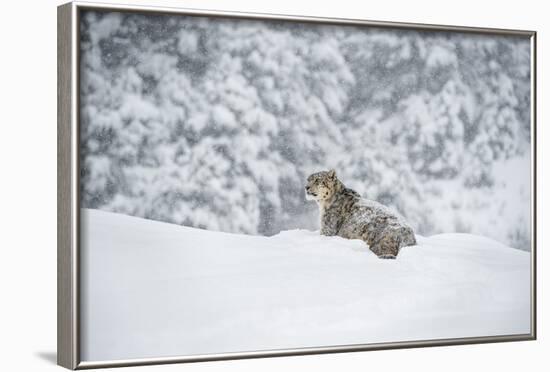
{"points": [[216, 123]]}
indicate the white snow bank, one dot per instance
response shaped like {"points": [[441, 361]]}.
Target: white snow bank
{"points": [[152, 289]]}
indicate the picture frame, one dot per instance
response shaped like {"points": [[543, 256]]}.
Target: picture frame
{"points": [[69, 216]]}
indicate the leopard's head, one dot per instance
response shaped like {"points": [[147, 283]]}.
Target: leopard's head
{"points": [[321, 186]]}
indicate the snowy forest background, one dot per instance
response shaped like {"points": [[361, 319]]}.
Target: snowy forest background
{"points": [[216, 123]]}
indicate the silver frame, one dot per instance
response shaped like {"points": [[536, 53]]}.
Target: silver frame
{"points": [[68, 211]]}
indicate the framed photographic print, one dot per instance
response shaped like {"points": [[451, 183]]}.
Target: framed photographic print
{"points": [[236, 185]]}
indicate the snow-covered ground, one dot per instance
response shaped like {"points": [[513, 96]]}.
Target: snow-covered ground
{"points": [[153, 289]]}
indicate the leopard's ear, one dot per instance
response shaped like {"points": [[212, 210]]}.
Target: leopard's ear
{"points": [[332, 173]]}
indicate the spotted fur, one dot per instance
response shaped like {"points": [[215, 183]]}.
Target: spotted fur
{"points": [[344, 213]]}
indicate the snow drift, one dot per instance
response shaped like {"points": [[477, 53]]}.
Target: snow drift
{"points": [[156, 289]]}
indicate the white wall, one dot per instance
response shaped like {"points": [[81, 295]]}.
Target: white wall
{"points": [[28, 197]]}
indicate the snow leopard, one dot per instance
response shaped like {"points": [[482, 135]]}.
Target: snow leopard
{"points": [[343, 212]]}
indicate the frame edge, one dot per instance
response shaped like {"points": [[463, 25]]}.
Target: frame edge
{"points": [[303, 351], [129, 7], [66, 356], [534, 187]]}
